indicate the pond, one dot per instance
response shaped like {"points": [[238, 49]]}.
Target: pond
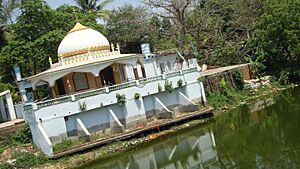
{"points": [[262, 134]]}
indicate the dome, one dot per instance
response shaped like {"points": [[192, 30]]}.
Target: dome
{"points": [[80, 40]]}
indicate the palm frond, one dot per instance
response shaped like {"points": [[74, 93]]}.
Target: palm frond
{"points": [[103, 4]]}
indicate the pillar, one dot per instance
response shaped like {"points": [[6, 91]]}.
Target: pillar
{"points": [[2, 108], [136, 75], [22, 91], [53, 92], [10, 107], [143, 71]]}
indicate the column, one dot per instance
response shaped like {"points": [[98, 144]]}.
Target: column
{"points": [[10, 107], [143, 71], [136, 75], [53, 92], [2, 108]]}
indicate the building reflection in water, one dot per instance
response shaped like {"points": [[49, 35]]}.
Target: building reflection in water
{"points": [[192, 151]]}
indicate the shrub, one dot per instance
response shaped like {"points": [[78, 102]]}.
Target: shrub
{"points": [[2, 149], [29, 160], [159, 88], [6, 166], [65, 144], [179, 82], [82, 106], [121, 99], [22, 137], [137, 96], [239, 79], [201, 79], [284, 78], [169, 86]]}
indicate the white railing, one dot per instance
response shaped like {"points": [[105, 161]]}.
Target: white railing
{"points": [[89, 93], [100, 91], [122, 86], [54, 101]]}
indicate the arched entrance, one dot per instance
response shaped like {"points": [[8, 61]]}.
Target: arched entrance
{"points": [[107, 76]]}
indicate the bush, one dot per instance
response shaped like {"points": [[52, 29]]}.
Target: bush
{"points": [[22, 137], [2, 149], [6, 166], [82, 106], [239, 79], [284, 78], [29, 160], [137, 96], [169, 86], [179, 82], [121, 99], [201, 79]]}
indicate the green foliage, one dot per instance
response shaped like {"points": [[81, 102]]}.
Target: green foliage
{"points": [[169, 86], [82, 106], [6, 166], [201, 79], [196, 52], [28, 160], [23, 136], [227, 97], [36, 35], [128, 26], [159, 88], [93, 6], [121, 99], [2, 149], [65, 144], [222, 83], [13, 90], [137, 96], [239, 79], [284, 78], [277, 35], [179, 82]]}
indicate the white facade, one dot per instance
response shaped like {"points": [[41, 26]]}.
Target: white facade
{"points": [[66, 117]]}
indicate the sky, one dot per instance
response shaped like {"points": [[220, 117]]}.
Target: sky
{"points": [[114, 4]]}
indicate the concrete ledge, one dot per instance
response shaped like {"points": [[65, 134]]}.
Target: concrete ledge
{"points": [[131, 134]]}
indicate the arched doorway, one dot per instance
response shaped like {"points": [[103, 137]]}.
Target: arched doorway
{"points": [[107, 76]]}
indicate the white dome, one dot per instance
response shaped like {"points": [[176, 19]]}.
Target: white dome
{"points": [[81, 37]]}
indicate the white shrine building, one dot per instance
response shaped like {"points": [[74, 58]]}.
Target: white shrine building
{"points": [[96, 89]]}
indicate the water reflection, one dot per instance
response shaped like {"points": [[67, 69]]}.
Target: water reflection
{"points": [[263, 134]]}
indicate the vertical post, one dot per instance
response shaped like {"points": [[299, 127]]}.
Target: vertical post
{"points": [[53, 92], [136, 75], [10, 107], [2, 108], [143, 71]]}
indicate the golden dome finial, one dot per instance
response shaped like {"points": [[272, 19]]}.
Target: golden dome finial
{"points": [[78, 27]]}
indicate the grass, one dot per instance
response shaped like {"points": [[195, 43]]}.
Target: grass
{"points": [[2, 149], [66, 144], [26, 160], [29, 160], [230, 97]]}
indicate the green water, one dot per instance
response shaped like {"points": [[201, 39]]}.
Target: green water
{"points": [[263, 134]]}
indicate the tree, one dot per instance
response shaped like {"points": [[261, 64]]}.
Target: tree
{"points": [[95, 6], [176, 11], [7, 8], [36, 36], [128, 26], [278, 35]]}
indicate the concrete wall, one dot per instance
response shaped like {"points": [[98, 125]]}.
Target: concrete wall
{"points": [[58, 120]]}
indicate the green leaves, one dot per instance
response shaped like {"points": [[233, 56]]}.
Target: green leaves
{"points": [[37, 34], [278, 34]]}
